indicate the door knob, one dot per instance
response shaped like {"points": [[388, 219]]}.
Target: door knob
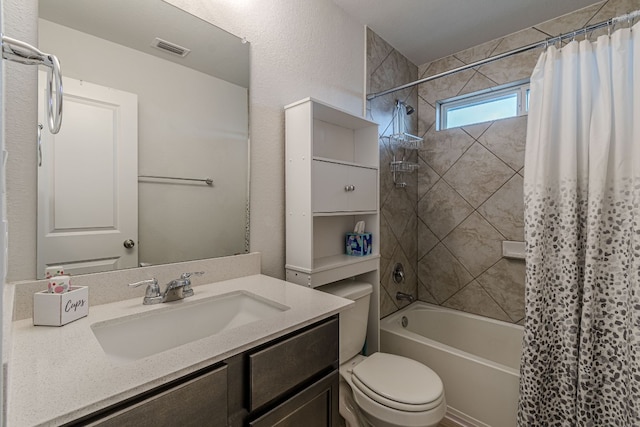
{"points": [[129, 244]]}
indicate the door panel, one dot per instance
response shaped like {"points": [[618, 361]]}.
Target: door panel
{"points": [[87, 181], [84, 179]]}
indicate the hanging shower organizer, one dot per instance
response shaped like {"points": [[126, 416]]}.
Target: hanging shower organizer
{"points": [[400, 138], [399, 168], [23, 53]]}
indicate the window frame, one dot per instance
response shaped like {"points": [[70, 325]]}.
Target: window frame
{"points": [[520, 88]]}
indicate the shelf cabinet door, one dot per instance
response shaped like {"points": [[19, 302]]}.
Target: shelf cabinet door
{"points": [[343, 188], [329, 182], [364, 195]]}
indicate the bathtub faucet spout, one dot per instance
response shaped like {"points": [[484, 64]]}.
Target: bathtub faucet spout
{"points": [[406, 297]]}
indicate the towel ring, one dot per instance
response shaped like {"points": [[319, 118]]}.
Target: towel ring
{"points": [[23, 53], [54, 75]]}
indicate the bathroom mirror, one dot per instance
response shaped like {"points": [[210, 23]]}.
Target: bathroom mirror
{"points": [[151, 164]]}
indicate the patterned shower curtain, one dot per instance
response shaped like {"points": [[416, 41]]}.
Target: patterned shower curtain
{"points": [[581, 359]]}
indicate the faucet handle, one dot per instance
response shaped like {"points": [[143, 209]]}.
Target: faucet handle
{"points": [[187, 291], [152, 294], [195, 273]]}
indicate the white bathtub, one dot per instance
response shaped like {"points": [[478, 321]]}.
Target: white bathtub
{"points": [[477, 359]]}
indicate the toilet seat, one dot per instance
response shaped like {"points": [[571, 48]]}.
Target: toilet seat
{"points": [[404, 407], [398, 382]]}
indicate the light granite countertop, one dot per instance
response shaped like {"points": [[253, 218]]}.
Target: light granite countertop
{"points": [[58, 374]]}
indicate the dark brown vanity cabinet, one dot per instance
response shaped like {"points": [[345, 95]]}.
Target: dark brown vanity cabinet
{"points": [[289, 382], [294, 382], [314, 406], [197, 402]]}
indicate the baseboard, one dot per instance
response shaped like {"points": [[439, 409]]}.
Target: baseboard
{"points": [[451, 419]]}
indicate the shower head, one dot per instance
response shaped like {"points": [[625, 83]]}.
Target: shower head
{"points": [[408, 109]]}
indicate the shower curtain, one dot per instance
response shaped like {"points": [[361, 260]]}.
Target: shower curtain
{"points": [[581, 359]]}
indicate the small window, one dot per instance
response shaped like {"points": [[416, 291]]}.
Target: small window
{"points": [[490, 104]]}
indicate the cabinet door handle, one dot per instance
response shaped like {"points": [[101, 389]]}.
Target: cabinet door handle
{"points": [[348, 188]]}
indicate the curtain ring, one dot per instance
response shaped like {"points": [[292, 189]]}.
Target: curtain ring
{"points": [[584, 33]]}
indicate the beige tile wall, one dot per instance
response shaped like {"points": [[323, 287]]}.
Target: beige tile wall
{"points": [[398, 217], [470, 180], [447, 225]]}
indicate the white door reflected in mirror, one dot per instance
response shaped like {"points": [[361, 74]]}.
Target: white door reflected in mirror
{"points": [[87, 181]]}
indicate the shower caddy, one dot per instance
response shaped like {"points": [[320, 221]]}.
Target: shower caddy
{"points": [[19, 51], [402, 139]]}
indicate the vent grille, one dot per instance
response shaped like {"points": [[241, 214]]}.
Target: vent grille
{"points": [[169, 47]]}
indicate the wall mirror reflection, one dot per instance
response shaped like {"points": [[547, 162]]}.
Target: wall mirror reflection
{"points": [[151, 163]]}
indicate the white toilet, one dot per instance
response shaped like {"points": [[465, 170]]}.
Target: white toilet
{"points": [[388, 390]]}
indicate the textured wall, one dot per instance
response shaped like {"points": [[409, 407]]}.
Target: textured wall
{"points": [[298, 49], [387, 68], [470, 178], [20, 120]]}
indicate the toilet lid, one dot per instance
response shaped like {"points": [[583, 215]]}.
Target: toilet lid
{"points": [[388, 378]]}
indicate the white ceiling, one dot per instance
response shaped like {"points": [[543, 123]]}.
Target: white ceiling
{"points": [[424, 30]]}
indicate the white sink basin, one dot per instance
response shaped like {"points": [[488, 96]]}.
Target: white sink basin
{"points": [[141, 335]]}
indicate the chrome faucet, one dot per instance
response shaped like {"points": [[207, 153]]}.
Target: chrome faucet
{"points": [[152, 294], [176, 289], [182, 286], [406, 297]]}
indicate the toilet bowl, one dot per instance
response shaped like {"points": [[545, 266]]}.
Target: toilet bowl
{"points": [[391, 391], [381, 390]]}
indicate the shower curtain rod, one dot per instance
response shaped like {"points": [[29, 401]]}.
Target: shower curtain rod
{"points": [[551, 40]]}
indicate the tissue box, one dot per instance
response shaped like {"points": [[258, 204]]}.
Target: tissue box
{"points": [[358, 244], [59, 309]]}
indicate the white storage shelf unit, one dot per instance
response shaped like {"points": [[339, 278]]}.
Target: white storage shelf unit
{"points": [[331, 183]]}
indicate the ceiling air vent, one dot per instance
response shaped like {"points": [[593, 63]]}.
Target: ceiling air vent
{"points": [[169, 47]]}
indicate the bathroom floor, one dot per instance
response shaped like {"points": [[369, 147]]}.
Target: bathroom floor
{"points": [[444, 423]]}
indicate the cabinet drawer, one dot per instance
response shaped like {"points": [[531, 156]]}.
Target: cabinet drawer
{"points": [[315, 406], [280, 367], [343, 188], [199, 402]]}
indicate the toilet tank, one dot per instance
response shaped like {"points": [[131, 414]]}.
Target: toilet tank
{"points": [[353, 321]]}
